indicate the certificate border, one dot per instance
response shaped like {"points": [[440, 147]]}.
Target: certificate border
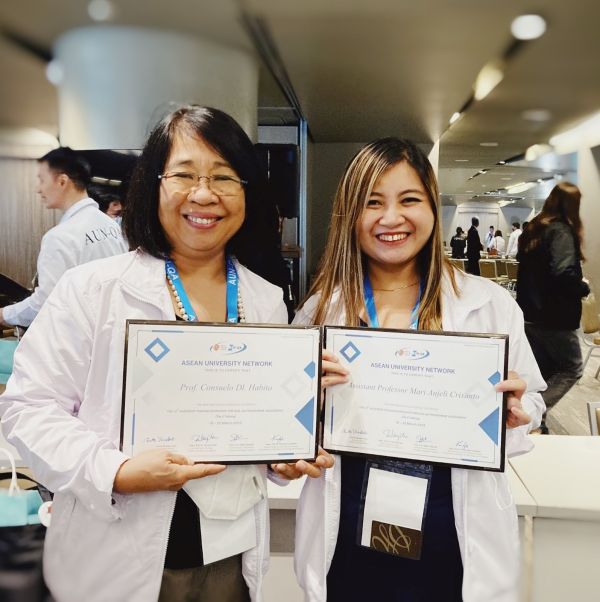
{"points": [[480, 335], [186, 324]]}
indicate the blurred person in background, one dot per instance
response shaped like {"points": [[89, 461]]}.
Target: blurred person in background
{"points": [[108, 199], [550, 287], [513, 240], [498, 245], [474, 248], [458, 244], [489, 237], [84, 233]]}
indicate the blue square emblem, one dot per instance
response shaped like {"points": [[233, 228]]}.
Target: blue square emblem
{"points": [[156, 349], [350, 352]]}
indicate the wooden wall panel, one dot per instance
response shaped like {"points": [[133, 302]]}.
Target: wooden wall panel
{"points": [[23, 219]]}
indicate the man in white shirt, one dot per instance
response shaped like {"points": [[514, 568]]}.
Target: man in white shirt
{"points": [[84, 233], [489, 237], [513, 241]]}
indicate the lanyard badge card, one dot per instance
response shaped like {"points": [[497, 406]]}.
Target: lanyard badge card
{"points": [[393, 504]]}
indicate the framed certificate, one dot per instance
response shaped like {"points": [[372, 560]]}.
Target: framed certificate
{"points": [[221, 393], [418, 396]]}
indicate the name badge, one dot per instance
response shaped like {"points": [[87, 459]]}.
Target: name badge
{"points": [[394, 502]]}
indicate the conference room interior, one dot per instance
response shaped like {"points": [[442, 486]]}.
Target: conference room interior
{"points": [[504, 109]]}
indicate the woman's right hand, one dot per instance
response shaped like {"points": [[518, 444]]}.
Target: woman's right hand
{"points": [[159, 470], [333, 373]]}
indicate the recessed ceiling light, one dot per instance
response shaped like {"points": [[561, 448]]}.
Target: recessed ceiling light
{"points": [[469, 191], [528, 27], [101, 10], [455, 117], [462, 160], [488, 144], [537, 115], [506, 179]]}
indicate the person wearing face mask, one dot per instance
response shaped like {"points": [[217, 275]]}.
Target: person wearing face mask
{"points": [[384, 266], [139, 528], [83, 233]]}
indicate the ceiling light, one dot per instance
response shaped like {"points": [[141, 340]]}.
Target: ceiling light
{"points": [[489, 77], [520, 187], [488, 144], [536, 151], [537, 115], [462, 160], [469, 191], [528, 27], [501, 163], [506, 179], [455, 117], [55, 72], [101, 10]]}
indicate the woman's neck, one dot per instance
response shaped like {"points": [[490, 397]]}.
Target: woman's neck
{"points": [[391, 277], [210, 268]]}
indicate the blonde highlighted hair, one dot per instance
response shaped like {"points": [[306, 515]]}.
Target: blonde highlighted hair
{"points": [[343, 264]]}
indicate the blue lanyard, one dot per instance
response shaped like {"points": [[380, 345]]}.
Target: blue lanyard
{"points": [[232, 290], [372, 310]]}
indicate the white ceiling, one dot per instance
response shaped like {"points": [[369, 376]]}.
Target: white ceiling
{"points": [[360, 70]]}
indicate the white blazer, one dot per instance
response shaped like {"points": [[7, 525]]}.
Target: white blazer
{"points": [[62, 411], [484, 511]]}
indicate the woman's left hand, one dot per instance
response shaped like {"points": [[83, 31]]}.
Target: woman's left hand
{"points": [[515, 387], [314, 469]]}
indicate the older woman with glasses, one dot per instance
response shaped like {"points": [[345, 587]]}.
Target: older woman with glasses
{"points": [[122, 527]]}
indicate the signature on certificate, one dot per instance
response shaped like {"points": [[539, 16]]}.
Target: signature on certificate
{"points": [[204, 437], [394, 435], [462, 445], [160, 439], [355, 431]]}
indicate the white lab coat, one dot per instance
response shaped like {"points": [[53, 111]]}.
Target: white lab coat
{"points": [[83, 234], [484, 511], [62, 411]]}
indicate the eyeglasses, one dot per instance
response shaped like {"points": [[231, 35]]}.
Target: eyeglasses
{"points": [[220, 184]]}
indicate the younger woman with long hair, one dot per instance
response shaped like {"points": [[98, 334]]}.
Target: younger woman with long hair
{"points": [[550, 287], [385, 231]]}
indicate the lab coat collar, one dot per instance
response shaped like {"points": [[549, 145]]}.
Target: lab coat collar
{"points": [[78, 206]]}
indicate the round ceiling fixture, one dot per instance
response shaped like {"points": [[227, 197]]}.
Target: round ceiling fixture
{"points": [[528, 27], [101, 10]]}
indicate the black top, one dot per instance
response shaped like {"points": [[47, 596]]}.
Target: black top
{"points": [[549, 281], [458, 244], [359, 573], [184, 548]]}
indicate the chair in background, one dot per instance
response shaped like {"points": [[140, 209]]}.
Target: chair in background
{"points": [[487, 268], [459, 263], [594, 416], [512, 269], [501, 267]]}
